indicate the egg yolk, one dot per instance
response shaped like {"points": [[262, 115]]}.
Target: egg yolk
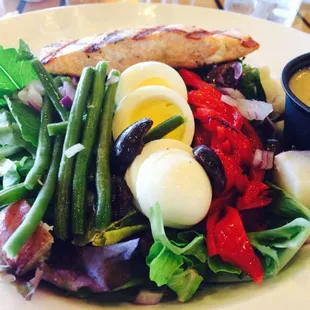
{"points": [[154, 81], [158, 110]]}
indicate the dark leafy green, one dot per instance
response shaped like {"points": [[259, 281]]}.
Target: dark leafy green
{"points": [[172, 263], [24, 52], [27, 120], [14, 73], [250, 84]]}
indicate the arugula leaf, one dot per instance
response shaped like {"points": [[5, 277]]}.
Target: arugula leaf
{"points": [[24, 52], [250, 84], [27, 119], [278, 246], [173, 263], [14, 73]]}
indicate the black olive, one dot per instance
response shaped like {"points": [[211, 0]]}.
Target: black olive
{"points": [[213, 166], [129, 144]]}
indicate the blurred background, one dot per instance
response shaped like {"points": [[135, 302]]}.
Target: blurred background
{"points": [[290, 13]]}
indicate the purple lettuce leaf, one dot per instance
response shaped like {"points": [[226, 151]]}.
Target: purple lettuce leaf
{"points": [[99, 269]]}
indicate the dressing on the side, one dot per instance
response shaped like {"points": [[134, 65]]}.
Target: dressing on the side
{"points": [[300, 85]]}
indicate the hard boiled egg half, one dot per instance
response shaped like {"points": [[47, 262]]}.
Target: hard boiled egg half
{"points": [[167, 173], [155, 90]]}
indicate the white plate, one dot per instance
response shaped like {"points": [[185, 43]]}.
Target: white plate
{"points": [[289, 290]]}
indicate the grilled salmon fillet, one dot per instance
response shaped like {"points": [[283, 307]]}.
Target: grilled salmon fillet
{"points": [[176, 45]]}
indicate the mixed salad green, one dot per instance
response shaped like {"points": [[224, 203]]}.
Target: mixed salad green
{"points": [[60, 166]]}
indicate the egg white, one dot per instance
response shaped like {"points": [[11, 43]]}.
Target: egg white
{"points": [[125, 109], [134, 76]]}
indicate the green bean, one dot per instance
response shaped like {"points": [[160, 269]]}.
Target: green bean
{"points": [[50, 88], [103, 176], [60, 128], [164, 128], [88, 141], [55, 129], [72, 137], [9, 150], [44, 150], [13, 193], [38, 209]]}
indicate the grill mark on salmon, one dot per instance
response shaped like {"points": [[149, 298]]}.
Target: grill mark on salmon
{"points": [[176, 45]]}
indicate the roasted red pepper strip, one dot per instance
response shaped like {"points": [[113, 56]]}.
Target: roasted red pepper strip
{"points": [[193, 80], [203, 114], [201, 135], [202, 98], [212, 220], [240, 143], [250, 132], [255, 196], [226, 199], [233, 245]]}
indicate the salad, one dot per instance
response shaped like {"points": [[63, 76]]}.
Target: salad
{"points": [[144, 184]]}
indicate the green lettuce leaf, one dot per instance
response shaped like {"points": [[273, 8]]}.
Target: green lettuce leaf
{"points": [[173, 263], [217, 265], [14, 73], [250, 84], [27, 120], [185, 283], [284, 204], [278, 246]]}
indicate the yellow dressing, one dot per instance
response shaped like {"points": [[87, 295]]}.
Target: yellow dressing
{"points": [[158, 110], [154, 81], [300, 85]]}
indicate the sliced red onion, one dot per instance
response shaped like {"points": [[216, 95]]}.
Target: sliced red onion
{"points": [[34, 282], [263, 159], [23, 95], [253, 109], [34, 97], [113, 79], [62, 91], [36, 84], [229, 100], [148, 298], [69, 90], [74, 149], [74, 80], [66, 101], [33, 106], [234, 93]]}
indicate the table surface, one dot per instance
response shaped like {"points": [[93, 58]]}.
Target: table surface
{"points": [[9, 7]]}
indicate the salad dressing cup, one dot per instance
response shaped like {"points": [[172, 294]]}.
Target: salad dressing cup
{"points": [[297, 114]]}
